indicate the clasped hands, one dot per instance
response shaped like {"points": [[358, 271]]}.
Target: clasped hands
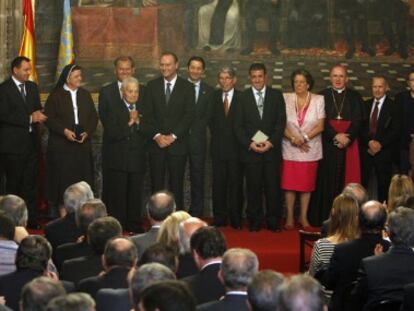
{"points": [[133, 117], [261, 147], [71, 136], [38, 116], [341, 140], [374, 147], [164, 141], [299, 141]]}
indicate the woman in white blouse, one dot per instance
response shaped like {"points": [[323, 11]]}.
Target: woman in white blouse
{"points": [[301, 145]]}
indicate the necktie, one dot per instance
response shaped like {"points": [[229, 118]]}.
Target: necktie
{"points": [[226, 104], [21, 86], [168, 93], [260, 103], [131, 107], [374, 119]]}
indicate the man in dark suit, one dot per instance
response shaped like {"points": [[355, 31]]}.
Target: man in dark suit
{"points": [[20, 114], [238, 268], [125, 156], [268, 9], [186, 264], [100, 231], [119, 257], [85, 215], [383, 277], [346, 258], [260, 123], [379, 138], [408, 301], [160, 205], [198, 134], [64, 230], [168, 113], [208, 246], [225, 151], [32, 259], [123, 299]]}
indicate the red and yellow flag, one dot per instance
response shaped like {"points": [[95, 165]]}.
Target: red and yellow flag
{"points": [[28, 46]]}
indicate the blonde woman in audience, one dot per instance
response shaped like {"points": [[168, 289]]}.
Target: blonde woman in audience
{"points": [[343, 227], [169, 231], [401, 186]]}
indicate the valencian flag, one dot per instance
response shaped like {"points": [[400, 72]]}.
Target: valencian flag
{"points": [[28, 46], [66, 55]]}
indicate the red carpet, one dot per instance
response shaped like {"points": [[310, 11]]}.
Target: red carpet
{"points": [[276, 251]]}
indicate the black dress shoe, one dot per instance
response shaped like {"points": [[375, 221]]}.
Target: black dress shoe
{"points": [[236, 226], [274, 228], [254, 228], [32, 225]]}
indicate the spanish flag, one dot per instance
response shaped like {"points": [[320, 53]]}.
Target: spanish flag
{"points": [[66, 54], [28, 46]]}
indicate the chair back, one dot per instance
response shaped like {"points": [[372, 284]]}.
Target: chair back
{"points": [[306, 239]]}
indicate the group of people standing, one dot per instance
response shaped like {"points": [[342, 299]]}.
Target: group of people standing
{"points": [[300, 142]]}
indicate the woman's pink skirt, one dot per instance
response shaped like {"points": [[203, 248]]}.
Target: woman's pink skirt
{"points": [[298, 176]]}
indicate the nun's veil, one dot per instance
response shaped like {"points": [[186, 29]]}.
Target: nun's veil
{"points": [[67, 70]]}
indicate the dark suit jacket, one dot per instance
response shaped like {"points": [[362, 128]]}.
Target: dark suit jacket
{"points": [[77, 269], [116, 277], [186, 266], [59, 110], [71, 250], [383, 277], [344, 264], [405, 115], [15, 116], [63, 230], [145, 240], [109, 299], [230, 302], [174, 118], [408, 301], [224, 144], [273, 123], [123, 147], [198, 131], [11, 285], [206, 285], [388, 129]]}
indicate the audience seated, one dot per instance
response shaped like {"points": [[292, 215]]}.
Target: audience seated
{"points": [[186, 264], [161, 254], [346, 258], [16, 209], [263, 290], [100, 231], [138, 279], [166, 296], [301, 293], [208, 246], [383, 277], [32, 259], [343, 227], [401, 185], [8, 247], [119, 257], [37, 293], [169, 230], [84, 216], [160, 205], [354, 189], [64, 230], [72, 302], [238, 268]]}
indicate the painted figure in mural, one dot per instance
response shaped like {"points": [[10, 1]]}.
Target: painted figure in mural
{"points": [[353, 16], [395, 11], [307, 24], [268, 9], [219, 26]]}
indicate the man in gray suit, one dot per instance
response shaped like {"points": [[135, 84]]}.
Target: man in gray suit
{"points": [[160, 205]]}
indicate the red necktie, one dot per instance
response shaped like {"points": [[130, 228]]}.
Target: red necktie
{"points": [[373, 123], [226, 104]]}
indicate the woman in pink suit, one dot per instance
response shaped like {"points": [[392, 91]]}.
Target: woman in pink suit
{"points": [[301, 145]]}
